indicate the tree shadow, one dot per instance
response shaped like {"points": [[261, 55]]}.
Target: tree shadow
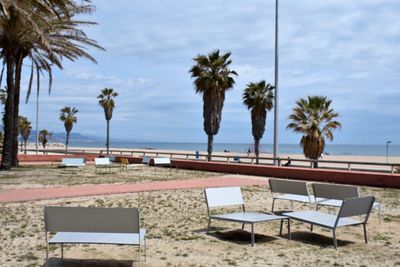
{"points": [[57, 262]]}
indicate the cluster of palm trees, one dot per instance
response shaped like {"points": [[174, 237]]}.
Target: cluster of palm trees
{"points": [[42, 32], [313, 117], [106, 100]]}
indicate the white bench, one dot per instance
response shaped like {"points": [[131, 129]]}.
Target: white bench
{"points": [[232, 196], [105, 163], [80, 225], [162, 162], [72, 162]]}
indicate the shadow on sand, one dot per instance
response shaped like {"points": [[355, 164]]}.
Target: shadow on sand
{"points": [[57, 262]]}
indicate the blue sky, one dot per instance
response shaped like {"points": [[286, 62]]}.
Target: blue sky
{"points": [[346, 50]]}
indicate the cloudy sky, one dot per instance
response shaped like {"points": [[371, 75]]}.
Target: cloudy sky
{"points": [[346, 50]]}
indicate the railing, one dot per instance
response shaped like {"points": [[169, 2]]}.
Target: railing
{"points": [[325, 164]]}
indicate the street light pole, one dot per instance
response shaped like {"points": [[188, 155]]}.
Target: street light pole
{"points": [[387, 150], [276, 153], [37, 120]]}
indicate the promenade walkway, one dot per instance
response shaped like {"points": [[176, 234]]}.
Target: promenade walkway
{"points": [[31, 194]]}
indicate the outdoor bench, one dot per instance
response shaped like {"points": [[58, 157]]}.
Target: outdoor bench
{"points": [[81, 225]]}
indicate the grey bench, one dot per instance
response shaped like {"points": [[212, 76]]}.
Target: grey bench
{"points": [[232, 196], [80, 225], [332, 195], [291, 191], [350, 207]]}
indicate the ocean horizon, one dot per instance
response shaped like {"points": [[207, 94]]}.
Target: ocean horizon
{"points": [[332, 149]]}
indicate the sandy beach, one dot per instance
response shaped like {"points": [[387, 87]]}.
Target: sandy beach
{"points": [[176, 223]]}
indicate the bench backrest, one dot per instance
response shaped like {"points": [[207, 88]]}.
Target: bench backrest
{"points": [[82, 219], [223, 196], [288, 187], [102, 161], [73, 161], [162, 161], [146, 160], [356, 206], [334, 191]]}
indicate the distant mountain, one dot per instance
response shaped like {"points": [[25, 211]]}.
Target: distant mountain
{"points": [[74, 137]]}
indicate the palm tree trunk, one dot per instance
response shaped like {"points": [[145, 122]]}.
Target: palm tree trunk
{"points": [[108, 137], [257, 148], [18, 70], [25, 141], [8, 116], [210, 146], [66, 143]]}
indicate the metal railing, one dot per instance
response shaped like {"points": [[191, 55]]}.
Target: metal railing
{"points": [[325, 164]]}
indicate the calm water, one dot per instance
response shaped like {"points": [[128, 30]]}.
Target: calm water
{"points": [[369, 150]]}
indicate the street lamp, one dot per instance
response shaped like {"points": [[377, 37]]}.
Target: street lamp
{"points": [[276, 153], [387, 150]]}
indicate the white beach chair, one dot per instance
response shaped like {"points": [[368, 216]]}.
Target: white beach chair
{"points": [[232, 196], [105, 164], [350, 207], [332, 195], [290, 190]]}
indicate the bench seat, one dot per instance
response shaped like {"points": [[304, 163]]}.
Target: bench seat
{"points": [[98, 238], [320, 219]]}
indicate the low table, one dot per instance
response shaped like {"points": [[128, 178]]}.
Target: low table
{"points": [[251, 218]]}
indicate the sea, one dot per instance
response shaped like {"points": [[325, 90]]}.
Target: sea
{"points": [[331, 149]]}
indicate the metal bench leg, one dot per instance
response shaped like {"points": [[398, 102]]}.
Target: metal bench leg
{"points": [[145, 249], [312, 227], [242, 226], [365, 233], [273, 203], [288, 228], [334, 238], [209, 223], [280, 230], [252, 234], [379, 214], [140, 251], [62, 250]]}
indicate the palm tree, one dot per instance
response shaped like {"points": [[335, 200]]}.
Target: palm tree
{"points": [[44, 137], [106, 100], [314, 118], [45, 32], [212, 79], [68, 116], [24, 130], [258, 97]]}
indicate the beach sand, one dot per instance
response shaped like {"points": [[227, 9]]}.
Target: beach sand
{"points": [[176, 222]]}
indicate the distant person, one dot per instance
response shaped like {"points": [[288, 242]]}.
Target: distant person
{"points": [[248, 152], [289, 161]]}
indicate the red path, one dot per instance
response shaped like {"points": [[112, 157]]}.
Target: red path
{"points": [[29, 194]]}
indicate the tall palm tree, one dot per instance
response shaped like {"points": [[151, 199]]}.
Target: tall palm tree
{"points": [[68, 116], [315, 119], [44, 31], [106, 100], [44, 137], [25, 128], [258, 98], [213, 78]]}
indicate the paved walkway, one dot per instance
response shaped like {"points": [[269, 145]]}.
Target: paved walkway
{"points": [[29, 194]]}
